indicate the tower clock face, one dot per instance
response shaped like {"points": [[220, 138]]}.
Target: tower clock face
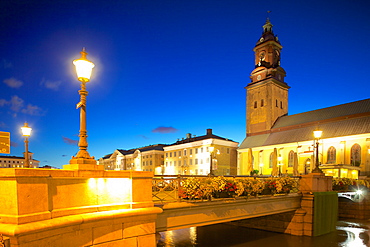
{"points": [[262, 56]]}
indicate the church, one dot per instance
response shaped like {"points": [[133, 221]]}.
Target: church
{"points": [[279, 144]]}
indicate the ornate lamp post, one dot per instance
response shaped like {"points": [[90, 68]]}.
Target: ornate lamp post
{"points": [[317, 134], [261, 168], [210, 161], [83, 68], [26, 132], [280, 159]]}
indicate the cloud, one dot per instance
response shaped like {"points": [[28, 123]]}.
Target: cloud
{"points": [[13, 144], [164, 130], [53, 85], [16, 104], [13, 83], [6, 64], [144, 137], [33, 110], [69, 141]]}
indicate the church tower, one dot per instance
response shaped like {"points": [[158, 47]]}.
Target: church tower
{"points": [[267, 93]]}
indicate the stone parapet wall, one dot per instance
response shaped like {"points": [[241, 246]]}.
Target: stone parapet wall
{"points": [[43, 208], [354, 210]]}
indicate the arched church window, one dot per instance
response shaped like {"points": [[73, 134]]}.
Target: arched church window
{"points": [[356, 155], [255, 104], [332, 155], [270, 160], [291, 158]]}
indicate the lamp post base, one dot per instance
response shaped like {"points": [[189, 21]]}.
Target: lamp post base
{"points": [[83, 164], [317, 170]]}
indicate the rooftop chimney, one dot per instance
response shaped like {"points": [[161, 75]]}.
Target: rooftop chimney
{"points": [[188, 136], [209, 132]]}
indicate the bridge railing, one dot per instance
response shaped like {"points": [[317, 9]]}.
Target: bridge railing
{"points": [[178, 188]]}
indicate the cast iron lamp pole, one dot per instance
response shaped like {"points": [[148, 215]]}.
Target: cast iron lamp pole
{"points": [[26, 132], [210, 160], [317, 134], [83, 68]]}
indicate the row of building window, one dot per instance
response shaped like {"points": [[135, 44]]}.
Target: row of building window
{"points": [[10, 161], [196, 151], [331, 156], [263, 103], [196, 162]]}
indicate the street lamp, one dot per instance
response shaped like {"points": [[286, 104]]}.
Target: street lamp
{"points": [[210, 160], [26, 132], [83, 69], [261, 168], [317, 134], [280, 159]]}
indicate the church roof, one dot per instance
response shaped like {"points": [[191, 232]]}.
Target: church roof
{"points": [[341, 120]]}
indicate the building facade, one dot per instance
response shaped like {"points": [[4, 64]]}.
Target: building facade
{"points": [[17, 162], [277, 144], [201, 155], [149, 158], [193, 155]]}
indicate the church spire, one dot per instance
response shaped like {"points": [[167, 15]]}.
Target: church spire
{"points": [[267, 33], [267, 28]]}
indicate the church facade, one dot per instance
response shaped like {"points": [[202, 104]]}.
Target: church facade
{"points": [[280, 144]]}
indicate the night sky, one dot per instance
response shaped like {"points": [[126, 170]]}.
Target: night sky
{"points": [[166, 68]]}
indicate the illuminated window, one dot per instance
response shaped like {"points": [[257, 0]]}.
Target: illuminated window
{"points": [[201, 161], [291, 158], [271, 160], [331, 155], [356, 155], [196, 150], [191, 151], [196, 161]]}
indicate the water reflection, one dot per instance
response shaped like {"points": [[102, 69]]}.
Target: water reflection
{"points": [[353, 233]]}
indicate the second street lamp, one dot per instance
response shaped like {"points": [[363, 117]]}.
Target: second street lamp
{"points": [[83, 68], [317, 134], [26, 132]]}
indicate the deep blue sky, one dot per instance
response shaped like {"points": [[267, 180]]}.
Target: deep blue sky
{"points": [[181, 65]]}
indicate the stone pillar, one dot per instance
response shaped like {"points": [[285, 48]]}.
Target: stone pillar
{"points": [[303, 220], [50, 207]]}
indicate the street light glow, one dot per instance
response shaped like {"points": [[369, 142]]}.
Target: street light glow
{"points": [[317, 134], [26, 131], [83, 67]]}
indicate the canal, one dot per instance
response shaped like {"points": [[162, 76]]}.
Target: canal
{"points": [[349, 233]]}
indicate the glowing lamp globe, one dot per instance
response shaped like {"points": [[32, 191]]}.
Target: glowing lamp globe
{"points": [[317, 134], [26, 131], [83, 67]]}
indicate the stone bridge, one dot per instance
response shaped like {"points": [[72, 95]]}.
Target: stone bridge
{"points": [[76, 207]]}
